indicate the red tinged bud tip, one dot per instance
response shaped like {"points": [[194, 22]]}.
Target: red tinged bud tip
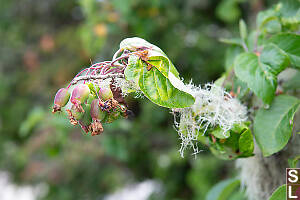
{"points": [[105, 93], [61, 99], [80, 94]]}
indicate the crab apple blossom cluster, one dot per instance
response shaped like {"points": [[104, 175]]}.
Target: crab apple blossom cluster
{"points": [[91, 105]]}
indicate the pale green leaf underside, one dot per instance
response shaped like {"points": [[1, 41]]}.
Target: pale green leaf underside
{"points": [[273, 127]]}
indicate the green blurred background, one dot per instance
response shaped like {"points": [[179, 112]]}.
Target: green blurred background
{"points": [[43, 44]]}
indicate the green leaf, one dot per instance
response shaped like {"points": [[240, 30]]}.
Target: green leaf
{"points": [[159, 90], [220, 81], [254, 40], [260, 73], [293, 161], [230, 55], [290, 44], [238, 195], [246, 144], [219, 133], [276, 59], [133, 70], [240, 88], [290, 13], [234, 41], [94, 89], [289, 8], [273, 26], [163, 64], [156, 56], [279, 194], [266, 16], [160, 60], [239, 144], [293, 83], [273, 127], [155, 86], [223, 190], [243, 29]]}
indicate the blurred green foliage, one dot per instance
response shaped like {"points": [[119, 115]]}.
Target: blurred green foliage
{"points": [[44, 44]]}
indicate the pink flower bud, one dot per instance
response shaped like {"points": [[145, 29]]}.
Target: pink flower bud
{"points": [[80, 94], [105, 93], [96, 112], [61, 99]]}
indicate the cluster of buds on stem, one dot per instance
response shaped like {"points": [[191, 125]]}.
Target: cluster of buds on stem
{"points": [[89, 109], [94, 96]]}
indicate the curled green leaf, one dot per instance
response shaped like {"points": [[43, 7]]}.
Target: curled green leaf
{"points": [[155, 86]]}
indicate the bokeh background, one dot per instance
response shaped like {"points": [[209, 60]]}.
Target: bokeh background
{"points": [[43, 44]]}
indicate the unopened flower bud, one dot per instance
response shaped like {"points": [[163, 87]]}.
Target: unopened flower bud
{"points": [[87, 119], [105, 93], [75, 113], [96, 111], [80, 94], [61, 99]]}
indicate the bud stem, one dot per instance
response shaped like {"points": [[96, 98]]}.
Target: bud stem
{"points": [[95, 77]]}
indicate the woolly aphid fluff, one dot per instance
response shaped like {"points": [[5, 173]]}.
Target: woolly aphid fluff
{"points": [[213, 107]]}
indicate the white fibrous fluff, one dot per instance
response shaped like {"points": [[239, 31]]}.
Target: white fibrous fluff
{"points": [[213, 108]]}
